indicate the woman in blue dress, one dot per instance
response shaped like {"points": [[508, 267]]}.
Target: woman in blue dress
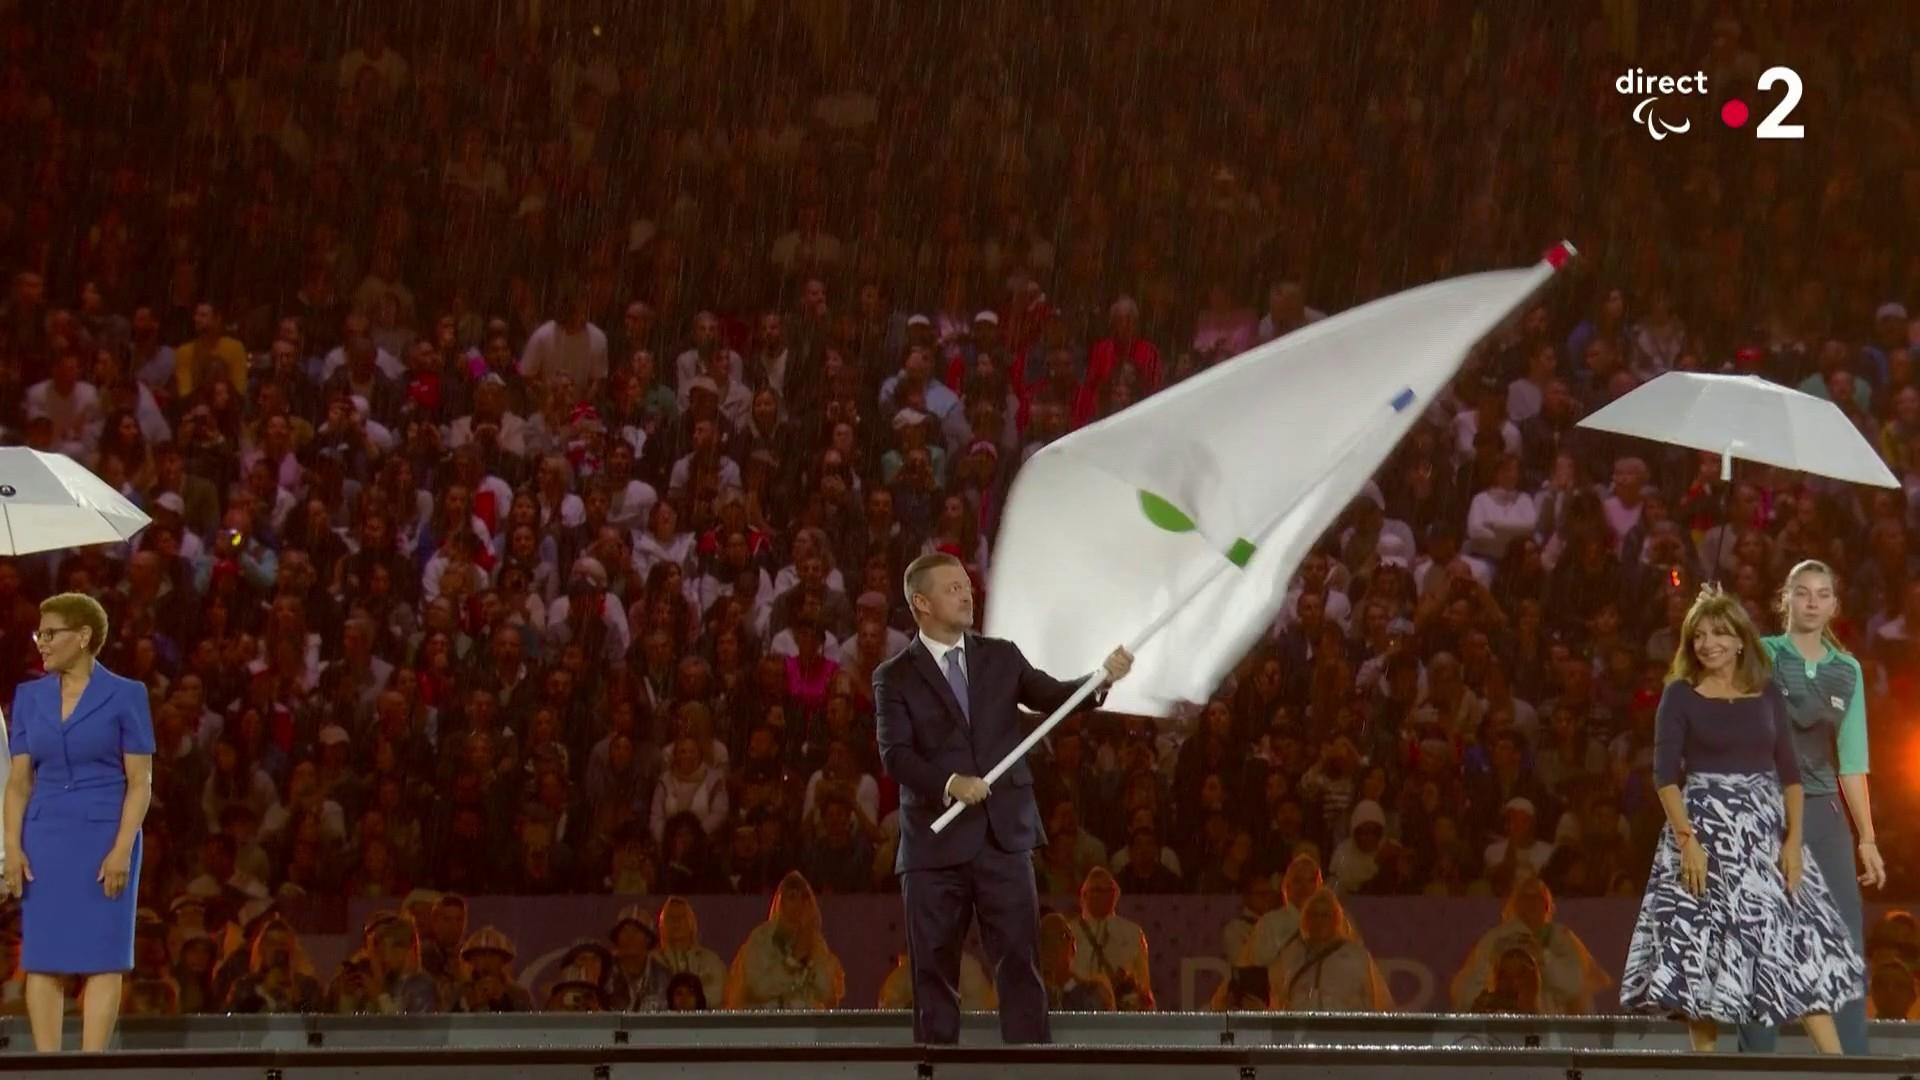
{"points": [[1826, 699], [1737, 926], [81, 779]]}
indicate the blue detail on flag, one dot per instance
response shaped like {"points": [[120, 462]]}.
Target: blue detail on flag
{"points": [[1403, 399]]}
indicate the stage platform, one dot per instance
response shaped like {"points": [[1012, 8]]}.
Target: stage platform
{"points": [[858, 1044]]}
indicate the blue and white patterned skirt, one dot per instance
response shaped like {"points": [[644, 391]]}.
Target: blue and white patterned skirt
{"points": [[1745, 951]]}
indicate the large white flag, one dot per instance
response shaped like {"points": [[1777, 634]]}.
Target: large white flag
{"points": [[1243, 467]]}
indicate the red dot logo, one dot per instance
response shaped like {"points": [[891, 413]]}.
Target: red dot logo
{"points": [[1734, 113]]}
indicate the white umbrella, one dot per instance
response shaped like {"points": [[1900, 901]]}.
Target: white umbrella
{"points": [[49, 501], [1747, 417]]}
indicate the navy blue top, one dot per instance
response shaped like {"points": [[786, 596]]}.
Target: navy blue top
{"points": [[1695, 734]]}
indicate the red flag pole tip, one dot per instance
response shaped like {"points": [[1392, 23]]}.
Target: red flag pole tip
{"points": [[1558, 254]]}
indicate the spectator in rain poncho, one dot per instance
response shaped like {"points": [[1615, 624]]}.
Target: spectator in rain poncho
{"points": [[385, 976], [1357, 859], [279, 976], [1568, 975], [1259, 895], [489, 986], [592, 960], [1067, 992], [1281, 925], [1269, 934], [680, 953], [632, 939], [1324, 968], [1110, 945], [785, 962]]}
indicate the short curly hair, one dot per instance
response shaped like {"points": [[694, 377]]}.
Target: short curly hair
{"points": [[77, 610]]}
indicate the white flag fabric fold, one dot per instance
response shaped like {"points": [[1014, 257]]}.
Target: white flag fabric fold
{"points": [[1249, 462]]}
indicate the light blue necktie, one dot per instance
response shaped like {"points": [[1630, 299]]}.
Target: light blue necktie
{"points": [[957, 678]]}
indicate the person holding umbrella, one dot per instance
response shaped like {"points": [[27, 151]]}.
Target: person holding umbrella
{"points": [[1817, 688], [1735, 926], [1825, 696]]}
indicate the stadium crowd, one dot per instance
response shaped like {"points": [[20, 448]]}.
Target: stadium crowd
{"points": [[536, 421]]}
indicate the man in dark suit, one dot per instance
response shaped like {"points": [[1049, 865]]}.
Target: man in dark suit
{"points": [[947, 712]]}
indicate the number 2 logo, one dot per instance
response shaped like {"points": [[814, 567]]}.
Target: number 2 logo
{"points": [[1772, 127]]}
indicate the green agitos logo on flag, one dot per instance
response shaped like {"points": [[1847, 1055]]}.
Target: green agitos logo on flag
{"points": [[1164, 514], [1175, 520]]}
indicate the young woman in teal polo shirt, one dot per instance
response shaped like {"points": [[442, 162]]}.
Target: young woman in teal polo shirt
{"points": [[1827, 701]]}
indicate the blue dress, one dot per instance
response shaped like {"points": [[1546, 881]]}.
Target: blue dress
{"points": [[68, 925]]}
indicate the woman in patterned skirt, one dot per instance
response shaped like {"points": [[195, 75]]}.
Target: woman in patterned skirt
{"points": [[1736, 926], [1826, 699]]}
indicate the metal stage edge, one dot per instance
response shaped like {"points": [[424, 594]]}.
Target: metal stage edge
{"points": [[860, 1044]]}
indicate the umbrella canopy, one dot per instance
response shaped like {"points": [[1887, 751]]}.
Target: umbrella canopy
{"points": [[1747, 417], [49, 502]]}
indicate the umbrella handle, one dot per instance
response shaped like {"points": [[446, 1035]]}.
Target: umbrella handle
{"points": [[1726, 521]]}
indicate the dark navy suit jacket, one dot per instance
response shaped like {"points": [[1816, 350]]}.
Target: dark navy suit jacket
{"points": [[925, 739]]}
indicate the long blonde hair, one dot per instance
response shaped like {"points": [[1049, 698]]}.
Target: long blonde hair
{"points": [[1753, 668], [1783, 604]]}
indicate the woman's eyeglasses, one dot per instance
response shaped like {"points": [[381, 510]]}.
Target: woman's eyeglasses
{"points": [[46, 636]]}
